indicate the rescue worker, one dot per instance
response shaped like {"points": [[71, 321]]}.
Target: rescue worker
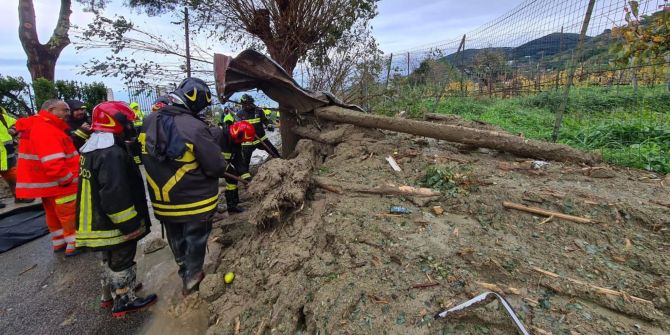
{"points": [[80, 128], [8, 154], [183, 165], [139, 114], [268, 113], [48, 165], [257, 118], [231, 146], [112, 213], [227, 118]]}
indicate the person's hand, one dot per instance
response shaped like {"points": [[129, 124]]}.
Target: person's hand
{"points": [[271, 128], [86, 126], [12, 131]]}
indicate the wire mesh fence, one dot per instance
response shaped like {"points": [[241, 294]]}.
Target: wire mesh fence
{"points": [[531, 64], [145, 94]]}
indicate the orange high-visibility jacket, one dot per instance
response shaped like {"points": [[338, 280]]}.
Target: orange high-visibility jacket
{"points": [[48, 163]]}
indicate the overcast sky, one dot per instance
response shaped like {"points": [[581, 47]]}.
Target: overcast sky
{"points": [[400, 25]]}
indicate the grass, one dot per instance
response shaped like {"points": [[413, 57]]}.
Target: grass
{"points": [[628, 129]]}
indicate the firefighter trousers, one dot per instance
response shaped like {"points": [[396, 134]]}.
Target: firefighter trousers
{"points": [[118, 264], [188, 242]]}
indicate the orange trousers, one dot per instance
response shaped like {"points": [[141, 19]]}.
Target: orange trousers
{"points": [[60, 216]]}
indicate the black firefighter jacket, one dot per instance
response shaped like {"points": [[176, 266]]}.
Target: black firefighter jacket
{"points": [[257, 118], [232, 152], [111, 203], [183, 162]]}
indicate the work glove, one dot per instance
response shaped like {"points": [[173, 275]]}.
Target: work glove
{"points": [[271, 127]]}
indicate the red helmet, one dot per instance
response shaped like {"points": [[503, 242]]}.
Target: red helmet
{"points": [[112, 117], [242, 131]]}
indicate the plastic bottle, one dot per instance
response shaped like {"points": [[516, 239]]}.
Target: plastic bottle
{"points": [[399, 210]]}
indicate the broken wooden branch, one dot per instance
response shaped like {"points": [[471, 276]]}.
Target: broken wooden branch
{"points": [[594, 288], [480, 138], [383, 190], [547, 213], [615, 300]]}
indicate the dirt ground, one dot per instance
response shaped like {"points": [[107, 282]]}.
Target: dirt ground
{"points": [[340, 264]]}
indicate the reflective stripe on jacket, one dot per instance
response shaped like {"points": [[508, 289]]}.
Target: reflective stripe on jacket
{"points": [[111, 203], [182, 188], [48, 163]]}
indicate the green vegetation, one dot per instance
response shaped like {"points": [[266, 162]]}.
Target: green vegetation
{"points": [[628, 129]]}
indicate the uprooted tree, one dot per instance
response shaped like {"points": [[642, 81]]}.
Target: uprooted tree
{"points": [[320, 113], [291, 31]]}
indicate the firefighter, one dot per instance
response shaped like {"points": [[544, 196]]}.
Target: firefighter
{"points": [[139, 114], [257, 118], [80, 127], [8, 154], [231, 142], [112, 213], [48, 165], [183, 165]]}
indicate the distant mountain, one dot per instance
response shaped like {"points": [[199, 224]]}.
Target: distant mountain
{"points": [[548, 45], [545, 46]]}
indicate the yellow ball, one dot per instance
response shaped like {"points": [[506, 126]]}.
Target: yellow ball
{"points": [[229, 277]]}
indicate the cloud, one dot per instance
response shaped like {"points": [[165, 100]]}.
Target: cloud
{"points": [[403, 25], [400, 25]]}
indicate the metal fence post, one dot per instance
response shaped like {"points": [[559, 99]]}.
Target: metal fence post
{"points": [[571, 71]]}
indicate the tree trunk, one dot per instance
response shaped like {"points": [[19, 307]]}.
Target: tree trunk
{"points": [[287, 118], [42, 57], [481, 138]]}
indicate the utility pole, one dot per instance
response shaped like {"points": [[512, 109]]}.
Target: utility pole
{"points": [[188, 43]]}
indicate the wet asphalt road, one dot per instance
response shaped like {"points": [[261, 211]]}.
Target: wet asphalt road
{"points": [[57, 295]]}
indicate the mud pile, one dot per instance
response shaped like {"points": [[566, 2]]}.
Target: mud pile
{"points": [[341, 264]]}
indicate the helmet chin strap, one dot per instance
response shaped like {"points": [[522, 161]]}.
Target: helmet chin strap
{"points": [[176, 99]]}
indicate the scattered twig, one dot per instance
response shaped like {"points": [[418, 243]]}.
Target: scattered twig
{"points": [[237, 325], [660, 203], [425, 285], [546, 220], [261, 328], [377, 300], [544, 212], [389, 215], [28, 269]]}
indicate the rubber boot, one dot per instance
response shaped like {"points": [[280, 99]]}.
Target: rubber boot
{"points": [[192, 284], [232, 200], [123, 290]]}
